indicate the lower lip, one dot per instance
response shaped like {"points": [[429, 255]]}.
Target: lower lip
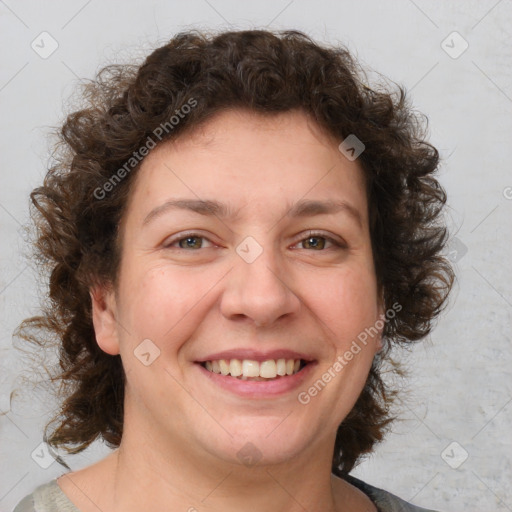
{"points": [[259, 389]]}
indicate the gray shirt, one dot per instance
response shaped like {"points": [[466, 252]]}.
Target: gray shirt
{"points": [[50, 498]]}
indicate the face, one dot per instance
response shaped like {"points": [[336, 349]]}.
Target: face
{"points": [[245, 249]]}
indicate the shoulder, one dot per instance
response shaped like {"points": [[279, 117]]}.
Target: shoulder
{"points": [[385, 501], [47, 497]]}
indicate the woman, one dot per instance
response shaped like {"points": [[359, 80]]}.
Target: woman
{"points": [[237, 233]]}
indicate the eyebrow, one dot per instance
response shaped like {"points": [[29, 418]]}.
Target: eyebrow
{"points": [[200, 206], [310, 208], [303, 208]]}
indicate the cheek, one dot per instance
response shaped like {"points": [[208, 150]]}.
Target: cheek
{"points": [[160, 302], [347, 302]]}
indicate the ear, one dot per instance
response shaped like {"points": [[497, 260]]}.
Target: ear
{"points": [[104, 318]]}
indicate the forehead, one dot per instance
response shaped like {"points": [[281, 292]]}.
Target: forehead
{"points": [[250, 161]]}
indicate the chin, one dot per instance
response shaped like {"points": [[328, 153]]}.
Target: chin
{"points": [[259, 442]]}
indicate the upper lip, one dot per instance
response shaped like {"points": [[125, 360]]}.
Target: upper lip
{"points": [[255, 355]]}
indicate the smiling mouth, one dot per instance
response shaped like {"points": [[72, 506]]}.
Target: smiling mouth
{"points": [[248, 369]]}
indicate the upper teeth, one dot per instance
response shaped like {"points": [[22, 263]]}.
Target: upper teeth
{"points": [[249, 368]]}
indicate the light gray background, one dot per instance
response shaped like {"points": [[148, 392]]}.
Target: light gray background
{"points": [[460, 385]]}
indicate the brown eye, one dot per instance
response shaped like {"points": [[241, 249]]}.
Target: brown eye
{"points": [[314, 242], [190, 242], [320, 242]]}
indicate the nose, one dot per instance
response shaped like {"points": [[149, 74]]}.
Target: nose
{"points": [[259, 292]]}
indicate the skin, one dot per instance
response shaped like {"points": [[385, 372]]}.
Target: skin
{"points": [[181, 432]]}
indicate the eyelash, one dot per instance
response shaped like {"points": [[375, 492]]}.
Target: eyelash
{"points": [[311, 234]]}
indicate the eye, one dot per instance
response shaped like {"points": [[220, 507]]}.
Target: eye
{"points": [[190, 241], [318, 241]]}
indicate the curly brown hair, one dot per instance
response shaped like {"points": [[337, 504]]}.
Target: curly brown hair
{"points": [[266, 72]]}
